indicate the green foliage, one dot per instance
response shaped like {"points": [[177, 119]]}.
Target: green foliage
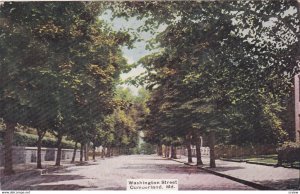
{"points": [[200, 83], [236, 151], [59, 67], [287, 146], [289, 152], [120, 129], [125, 126], [29, 140], [147, 148]]}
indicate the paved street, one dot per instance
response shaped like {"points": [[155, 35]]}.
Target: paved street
{"points": [[112, 173]]}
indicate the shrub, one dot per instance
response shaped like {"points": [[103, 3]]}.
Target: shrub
{"points": [[232, 151], [147, 148], [289, 152], [24, 139]]}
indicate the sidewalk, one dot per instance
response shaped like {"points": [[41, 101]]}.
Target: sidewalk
{"points": [[22, 168], [30, 170], [257, 176]]}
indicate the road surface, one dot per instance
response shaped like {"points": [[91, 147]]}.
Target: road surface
{"points": [[112, 174]]}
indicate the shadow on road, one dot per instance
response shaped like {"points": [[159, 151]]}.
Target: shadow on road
{"points": [[36, 182], [59, 187], [114, 188], [85, 164], [157, 159], [163, 168]]}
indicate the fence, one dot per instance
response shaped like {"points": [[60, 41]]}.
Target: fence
{"points": [[183, 151], [22, 155], [231, 151]]}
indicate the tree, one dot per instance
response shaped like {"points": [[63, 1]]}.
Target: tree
{"points": [[221, 82], [15, 88], [69, 45]]}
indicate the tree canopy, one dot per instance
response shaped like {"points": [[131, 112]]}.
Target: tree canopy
{"points": [[219, 66], [222, 66]]}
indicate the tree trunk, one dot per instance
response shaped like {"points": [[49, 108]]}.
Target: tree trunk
{"points": [[8, 140], [74, 153], [189, 150], [86, 152], [112, 151], [212, 162], [159, 149], [81, 152], [103, 152], [108, 151], [198, 151], [58, 156], [168, 151], [94, 152], [173, 152], [39, 148]]}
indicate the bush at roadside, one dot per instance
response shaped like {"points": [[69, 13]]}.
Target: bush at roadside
{"points": [[30, 140], [289, 152]]}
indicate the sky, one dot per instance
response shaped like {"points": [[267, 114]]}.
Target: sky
{"points": [[132, 55]]}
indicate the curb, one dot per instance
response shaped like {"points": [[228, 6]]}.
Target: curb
{"points": [[248, 183], [229, 160], [274, 165], [259, 163], [249, 162]]}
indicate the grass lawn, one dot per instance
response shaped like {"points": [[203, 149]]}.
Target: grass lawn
{"points": [[270, 159], [266, 159]]}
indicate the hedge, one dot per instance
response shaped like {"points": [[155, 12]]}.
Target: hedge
{"points": [[234, 151], [289, 152], [24, 139]]}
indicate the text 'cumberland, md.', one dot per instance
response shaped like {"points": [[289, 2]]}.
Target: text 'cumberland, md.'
{"points": [[152, 184]]}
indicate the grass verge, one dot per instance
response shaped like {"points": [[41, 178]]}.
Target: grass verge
{"points": [[270, 160]]}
